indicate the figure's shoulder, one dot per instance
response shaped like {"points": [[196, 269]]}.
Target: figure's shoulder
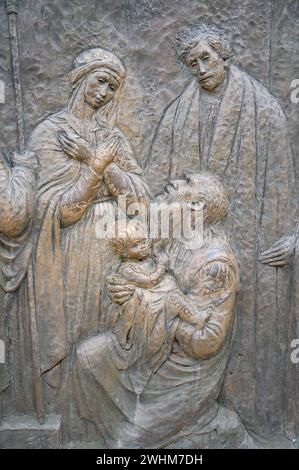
{"points": [[173, 104], [219, 268], [45, 130], [219, 271], [217, 258], [264, 97], [187, 94]]}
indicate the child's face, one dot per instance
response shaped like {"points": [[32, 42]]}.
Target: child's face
{"points": [[138, 249]]}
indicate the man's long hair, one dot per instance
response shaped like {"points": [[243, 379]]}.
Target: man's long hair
{"points": [[189, 37]]}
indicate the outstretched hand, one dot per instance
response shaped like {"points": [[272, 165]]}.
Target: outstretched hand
{"points": [[280, 253]]}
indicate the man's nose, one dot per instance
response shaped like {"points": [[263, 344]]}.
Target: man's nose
{"points": [[104, 89], [201, 68]]}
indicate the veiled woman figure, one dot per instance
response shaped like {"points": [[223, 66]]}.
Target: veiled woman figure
{"points": [[85, 162]]}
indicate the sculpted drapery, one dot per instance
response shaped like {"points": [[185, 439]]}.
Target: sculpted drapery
{"points": [[17, 202], [16, 207], [143, 367], [69, 260], [238, 131], [182, 392], [177, 402]]}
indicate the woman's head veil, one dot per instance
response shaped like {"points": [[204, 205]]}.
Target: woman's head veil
{"points": [[88, 62]]}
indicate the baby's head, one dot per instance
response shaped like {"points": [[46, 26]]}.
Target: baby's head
{"points": [[132, 241]]}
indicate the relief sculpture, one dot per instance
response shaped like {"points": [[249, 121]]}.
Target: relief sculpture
{"points": [[228, 123], [81, 156], [18, 187], [154, 376], [118, 338]]}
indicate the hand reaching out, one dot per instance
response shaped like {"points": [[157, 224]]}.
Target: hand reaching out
{"points": [[280, 253]]}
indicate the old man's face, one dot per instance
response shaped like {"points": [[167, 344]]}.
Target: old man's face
{"points": [[200, 192], [207, 65], [184, 190], [100, 88]]}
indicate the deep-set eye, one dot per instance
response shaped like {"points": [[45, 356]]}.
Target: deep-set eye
{"points": [[193, 64], [206, 58], [112, 87], [101, 81]]}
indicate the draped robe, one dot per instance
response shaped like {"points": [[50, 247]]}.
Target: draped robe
{"points": [[180, 397], [69, 264], [17, 183], [243, 138]]}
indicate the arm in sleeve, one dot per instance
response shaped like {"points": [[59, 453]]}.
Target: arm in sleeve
{"points": [[216, 294], [17, 193], [80, 196], [142, 279]]}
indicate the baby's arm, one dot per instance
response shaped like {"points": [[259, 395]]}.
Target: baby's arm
{"points": [[140, 279], [189, 313]]}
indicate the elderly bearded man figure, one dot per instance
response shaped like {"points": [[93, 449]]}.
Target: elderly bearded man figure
{"points": [[159, 387], [229, 124]]}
